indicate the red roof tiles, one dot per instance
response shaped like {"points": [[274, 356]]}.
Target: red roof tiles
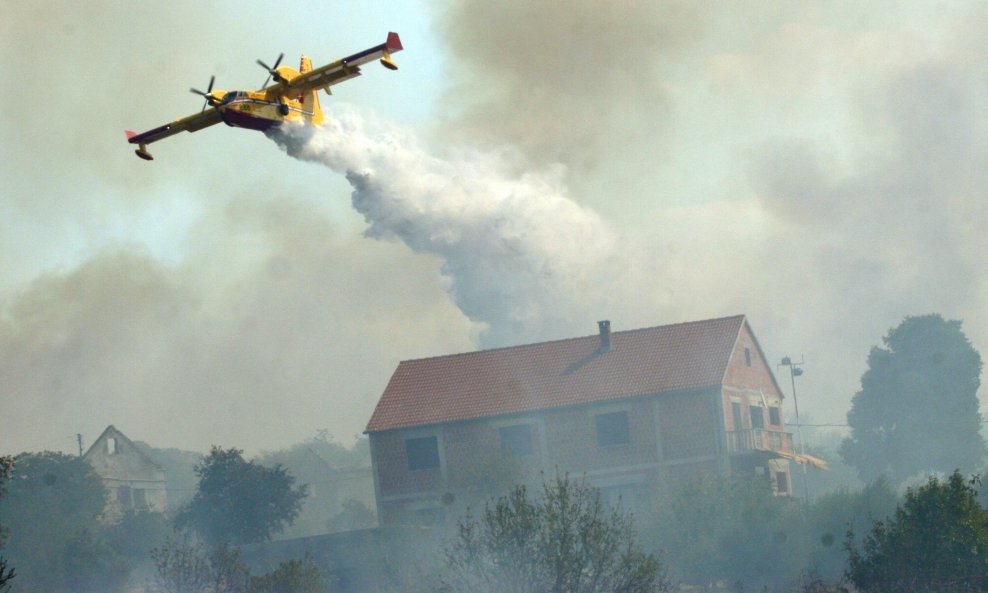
{"points": [[555, 374]]}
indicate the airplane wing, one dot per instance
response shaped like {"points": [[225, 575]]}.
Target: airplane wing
{"points": [[192, 123], [343, 69]]}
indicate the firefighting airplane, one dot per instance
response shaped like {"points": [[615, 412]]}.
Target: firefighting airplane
{"points": [[293, 96]]}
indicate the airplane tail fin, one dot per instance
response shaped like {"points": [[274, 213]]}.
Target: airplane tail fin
{"points": [[310, 100]]}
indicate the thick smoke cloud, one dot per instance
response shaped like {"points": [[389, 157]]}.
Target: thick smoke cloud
{"points": [[275, 326], [818, 167], [547, 77], [520, 258]]}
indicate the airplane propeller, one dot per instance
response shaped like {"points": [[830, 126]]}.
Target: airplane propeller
{"points": [[207, 95], [272, 70]]}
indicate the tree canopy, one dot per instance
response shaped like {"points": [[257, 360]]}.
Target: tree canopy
{"points": [[937, 540], [917, 410], [239, 501], [564, 540], [51, 512], [6, 573]]}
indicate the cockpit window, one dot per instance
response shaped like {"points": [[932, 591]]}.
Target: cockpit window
{"points": [[230, 96]]}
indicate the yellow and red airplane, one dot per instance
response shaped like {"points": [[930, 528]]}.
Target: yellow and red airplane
{"points": [[293, 96]]}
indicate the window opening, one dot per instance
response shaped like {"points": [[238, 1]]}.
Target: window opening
{"points": [[757, 417], [423, 453], [782, 482], [123, 497], [516, 440], [612, 429], [736, 416]]}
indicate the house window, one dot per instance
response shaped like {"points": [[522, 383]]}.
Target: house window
{"points": [[111, 446], [516, 440], [123, 497], [423, 453], [757, 417], [736, 416], [773, 416], [747, 356], [612, 429], [782, 482]]}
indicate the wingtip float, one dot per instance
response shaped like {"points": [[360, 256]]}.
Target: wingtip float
{"points": [[292, 97]]}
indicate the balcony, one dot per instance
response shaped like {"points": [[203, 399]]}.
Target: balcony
{"points": [[759, 439]]}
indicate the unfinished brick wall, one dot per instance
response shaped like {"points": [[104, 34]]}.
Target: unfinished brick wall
{"points": [[758, 376], [748, 384], [688, 425], [391, 464], [571, 438]]}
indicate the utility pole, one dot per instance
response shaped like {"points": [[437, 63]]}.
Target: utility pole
{"points": [[78, 437], [795, 370]]}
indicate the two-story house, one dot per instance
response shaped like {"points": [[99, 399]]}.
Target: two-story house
{"points": [[630, 410], [133, 481]]}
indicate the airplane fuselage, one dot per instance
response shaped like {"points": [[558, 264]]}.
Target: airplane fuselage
{"points": [[257, 111]]}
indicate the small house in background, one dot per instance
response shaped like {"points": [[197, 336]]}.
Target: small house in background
{"points": [[133, 481], [630, 410]]}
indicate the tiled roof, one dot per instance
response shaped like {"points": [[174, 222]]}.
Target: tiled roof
{"points": [[555, 374]]}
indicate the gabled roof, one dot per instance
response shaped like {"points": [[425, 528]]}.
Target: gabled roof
{"points": [[131, 448], [555, 374]]}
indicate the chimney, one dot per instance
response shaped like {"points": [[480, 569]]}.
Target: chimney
{"points": [[605, 335]]}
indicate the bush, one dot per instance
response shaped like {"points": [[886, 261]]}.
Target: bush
{"points": [[564, 540], [936, 541]]}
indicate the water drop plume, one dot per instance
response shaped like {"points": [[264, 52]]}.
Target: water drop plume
{"points": [[519, 257]]}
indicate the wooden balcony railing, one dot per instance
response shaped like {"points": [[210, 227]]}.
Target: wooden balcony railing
{"points": [[759, 439]]}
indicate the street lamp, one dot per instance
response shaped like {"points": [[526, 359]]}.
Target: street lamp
{"points": [[795, 370]]}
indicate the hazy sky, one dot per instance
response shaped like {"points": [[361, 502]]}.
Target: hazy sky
{"points": [[534, 166]]}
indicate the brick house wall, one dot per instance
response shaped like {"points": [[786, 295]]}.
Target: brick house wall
{"points": [[671, 436], [750, 388], [563, 440]]}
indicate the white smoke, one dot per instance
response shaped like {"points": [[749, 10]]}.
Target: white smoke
{"points": [[521, 259]]}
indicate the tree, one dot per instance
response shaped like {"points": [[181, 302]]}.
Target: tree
{"points": [[52, 511], [324, 462], [937, 540], [6, 573], [917, 410], [723, 528], [182, 566], [564, 540], [240, 502], [291, 576]]}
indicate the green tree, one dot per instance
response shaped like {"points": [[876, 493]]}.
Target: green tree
{"points": [[331, 469], [57, 538], [6, 573], [52, 511], [183, 566], [136, 534], [180, 567], [917, 410], [728, 529], [564, 540], [830, 516], [239, 501], [937, 540], [291, 576]]}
